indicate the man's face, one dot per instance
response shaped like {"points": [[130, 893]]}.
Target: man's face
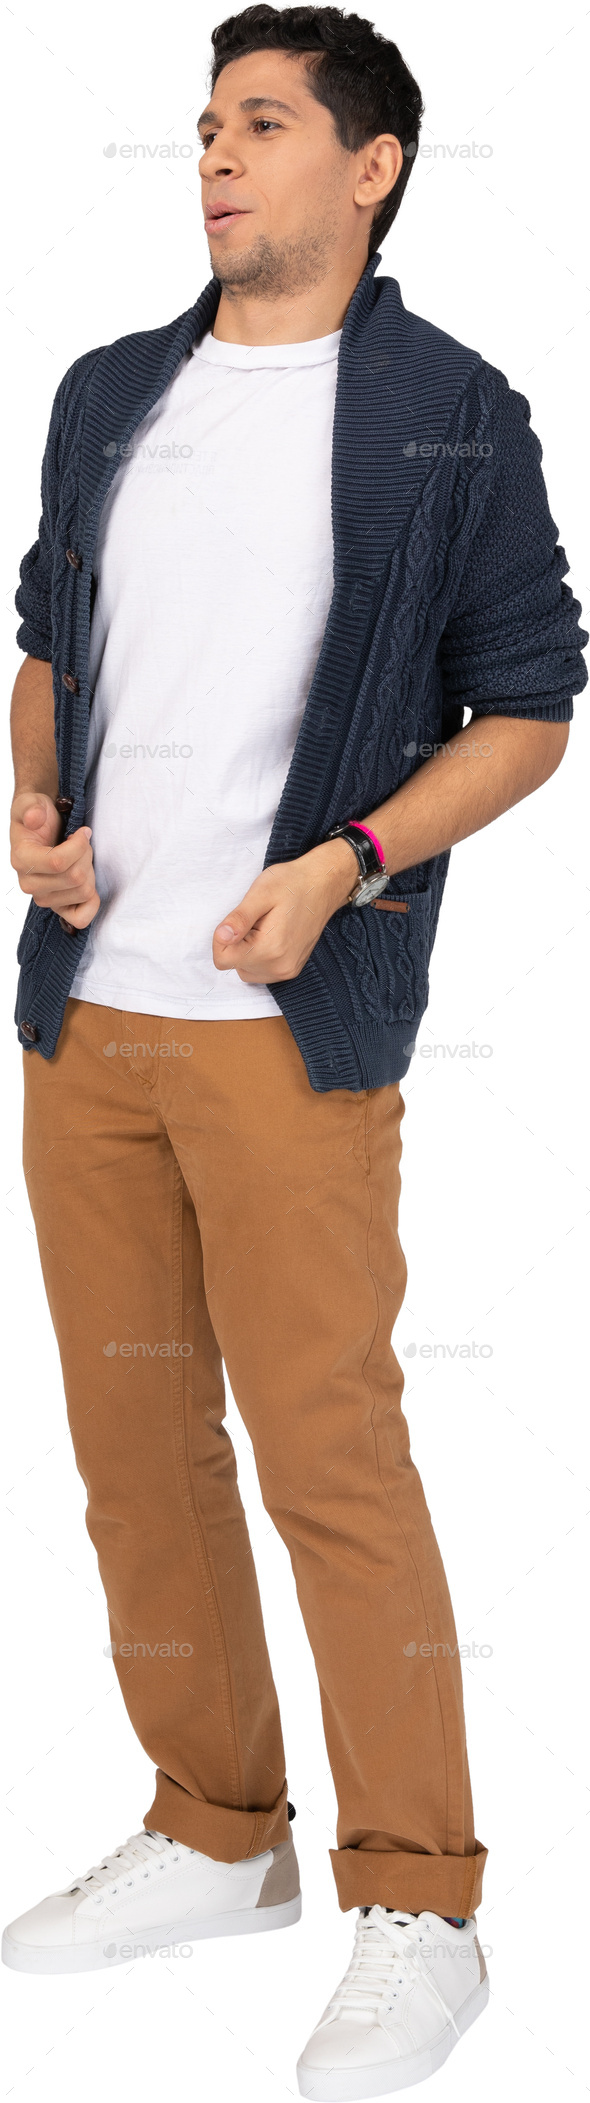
{"points": [[273, 162]]}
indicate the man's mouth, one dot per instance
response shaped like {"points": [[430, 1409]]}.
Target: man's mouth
{"points": [[221, 215]]}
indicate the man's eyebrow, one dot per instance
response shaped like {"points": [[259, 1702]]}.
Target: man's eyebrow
{"points": [[252, 102]]}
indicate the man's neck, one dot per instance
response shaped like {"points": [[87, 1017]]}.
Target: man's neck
{"points": [[287, 317]]}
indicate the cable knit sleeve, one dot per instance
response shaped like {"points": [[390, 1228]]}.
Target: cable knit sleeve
{"points": [[512, 645], [33, 597]]}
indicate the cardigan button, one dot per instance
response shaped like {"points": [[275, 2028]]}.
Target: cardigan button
{"points": [[74, 559], [69, 679], [68, 926], [30, 1031], [64, 804]]}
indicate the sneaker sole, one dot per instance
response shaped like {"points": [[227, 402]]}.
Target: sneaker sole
{"points": [[125, 1948], [346, 2085]]}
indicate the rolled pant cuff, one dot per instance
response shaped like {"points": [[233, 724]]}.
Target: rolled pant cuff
{"points": [[226, 1835], [445, 1884]]}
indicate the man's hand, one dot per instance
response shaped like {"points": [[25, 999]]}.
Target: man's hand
{"points": [[271, 934], [58, 876]]}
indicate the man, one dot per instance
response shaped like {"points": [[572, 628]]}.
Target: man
{"points": [[285, 541]]}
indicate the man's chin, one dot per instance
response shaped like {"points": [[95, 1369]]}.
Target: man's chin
{"points": [[240, 259], [267, 268]]}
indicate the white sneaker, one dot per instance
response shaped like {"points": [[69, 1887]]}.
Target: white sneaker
{"points": [[413, 1986], [153, 1893]]}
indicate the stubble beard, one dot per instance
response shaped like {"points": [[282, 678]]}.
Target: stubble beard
{"points": [[269, 268]]}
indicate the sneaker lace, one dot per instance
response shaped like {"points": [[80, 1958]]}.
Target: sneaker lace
{"points": [[134, 1853], [368, 1981]]}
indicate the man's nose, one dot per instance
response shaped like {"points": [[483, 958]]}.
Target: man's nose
{"points": [[220, 159]]}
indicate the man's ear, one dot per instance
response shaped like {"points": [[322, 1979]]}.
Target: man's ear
{"points": [[381, 165]]}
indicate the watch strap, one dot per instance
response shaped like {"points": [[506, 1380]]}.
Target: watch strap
{"points": [[372, 870]]}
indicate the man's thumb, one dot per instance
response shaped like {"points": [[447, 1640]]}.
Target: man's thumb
{"points": [[40, 816], [36, 812], [234, 930]]}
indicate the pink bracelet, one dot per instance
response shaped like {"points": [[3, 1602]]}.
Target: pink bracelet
{"points": [[356, 823]]}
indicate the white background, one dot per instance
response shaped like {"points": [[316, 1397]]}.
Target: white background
{"points": [[495, 1165]]}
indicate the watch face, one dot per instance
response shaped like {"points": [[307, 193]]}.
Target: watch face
{"points": [[369, 889]]}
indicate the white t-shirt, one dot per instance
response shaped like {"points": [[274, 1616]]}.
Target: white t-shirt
{"points": [[214, 567]]}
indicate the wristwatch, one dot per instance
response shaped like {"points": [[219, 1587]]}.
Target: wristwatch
{"points": [[370, 858]]}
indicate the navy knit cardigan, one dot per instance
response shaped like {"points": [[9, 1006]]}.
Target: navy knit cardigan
{"points": [[448, 594]]}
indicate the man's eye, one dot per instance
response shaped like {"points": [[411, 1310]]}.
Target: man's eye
{"points": [[267, 122]]}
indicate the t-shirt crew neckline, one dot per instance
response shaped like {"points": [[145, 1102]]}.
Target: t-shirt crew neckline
{"points": [[251, 357]]}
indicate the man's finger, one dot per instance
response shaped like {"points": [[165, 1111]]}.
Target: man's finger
{"points": [[226, 933], [235, 926], [67, 851], [79, 915], [234, 936], [54, 861]]}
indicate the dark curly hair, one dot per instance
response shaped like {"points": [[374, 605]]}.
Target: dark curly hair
{"points": [[354, 71]]}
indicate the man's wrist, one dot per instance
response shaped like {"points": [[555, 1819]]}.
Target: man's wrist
{"points": [[337, 871], [34, 788]]}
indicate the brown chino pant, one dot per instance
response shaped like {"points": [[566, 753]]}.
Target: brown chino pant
{"points": [[196, 1200]]}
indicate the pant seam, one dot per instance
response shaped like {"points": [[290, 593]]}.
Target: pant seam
{"points": [[148, 1087], [206, 1572], [365, 1376]]}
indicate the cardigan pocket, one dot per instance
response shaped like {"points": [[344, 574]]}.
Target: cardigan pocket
{"points": [[390, 952]]}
